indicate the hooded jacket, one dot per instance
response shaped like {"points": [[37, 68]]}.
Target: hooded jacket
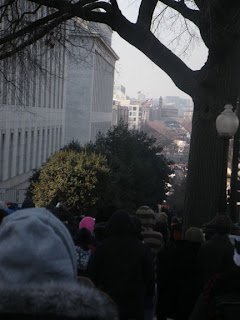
{"points": [[123, 267], [38, 271]]}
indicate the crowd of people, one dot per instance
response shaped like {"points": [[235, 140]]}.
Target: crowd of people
{"points": [[115, 265]]}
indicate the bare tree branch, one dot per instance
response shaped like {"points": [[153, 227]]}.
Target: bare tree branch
{"points": [[57, 4], [192, 15], [30, 28], [145, 15], [139, 34], [38, 34]]}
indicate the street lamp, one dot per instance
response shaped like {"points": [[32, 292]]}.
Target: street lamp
{"points": [[226, 124]]}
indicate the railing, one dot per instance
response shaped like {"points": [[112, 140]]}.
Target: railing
{"points": [[12, 195]]}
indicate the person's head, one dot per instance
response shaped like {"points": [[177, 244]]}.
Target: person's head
{"points": [[88, 223], [82, 238], [28, 203], [119, 223], [223, 224], [162, 217], [35, 247], [146, 216], [194, 235]]}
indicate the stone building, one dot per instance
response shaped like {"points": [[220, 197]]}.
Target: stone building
{"points": [[32, 112], [45, 107], [89, 85]]}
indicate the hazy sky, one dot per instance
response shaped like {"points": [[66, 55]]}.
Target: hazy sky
{"points": [[137, 73]]}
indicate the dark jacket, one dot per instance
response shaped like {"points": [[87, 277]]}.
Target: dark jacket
{"points": [[178, 279], [38, 272], [220, 299], [123, 268], [215, 256]]}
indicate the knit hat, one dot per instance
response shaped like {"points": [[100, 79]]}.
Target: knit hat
{"points": [[35, 247], [146, 216], [194, 235], [88, 223]]}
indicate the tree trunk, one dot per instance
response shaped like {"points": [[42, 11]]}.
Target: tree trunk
{"points": [[208, 152], [204, 172]]}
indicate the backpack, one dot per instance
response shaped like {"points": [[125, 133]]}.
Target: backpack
{"points": [[83, 257]]}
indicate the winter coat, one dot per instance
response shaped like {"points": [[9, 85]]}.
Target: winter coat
{"points": [[220, 299], [178, 279], [187, 283], [38, 271], [215, 256], [66, 300], [123, 268]]}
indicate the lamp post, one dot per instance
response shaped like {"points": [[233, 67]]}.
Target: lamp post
{"points": [[226, 124]]}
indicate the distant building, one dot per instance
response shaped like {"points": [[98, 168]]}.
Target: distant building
{"points": [[183, 105], [145, 113], [134, 118], [169, 112], [119, 113], [160, 105], [188, 115]]}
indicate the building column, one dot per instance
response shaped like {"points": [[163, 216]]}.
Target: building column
{"points": [[14, 153], [33, 147], [28, 150], [6, 155], [39, 160]]}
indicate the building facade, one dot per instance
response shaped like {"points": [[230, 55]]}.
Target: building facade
{"points": [[32, 112], [89, 84], [35, 119]]}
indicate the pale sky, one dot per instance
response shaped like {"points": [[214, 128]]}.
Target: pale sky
{"points": [[137, 73]]}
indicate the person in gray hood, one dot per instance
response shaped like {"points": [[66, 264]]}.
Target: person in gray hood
{"points": [[38, 271]]}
